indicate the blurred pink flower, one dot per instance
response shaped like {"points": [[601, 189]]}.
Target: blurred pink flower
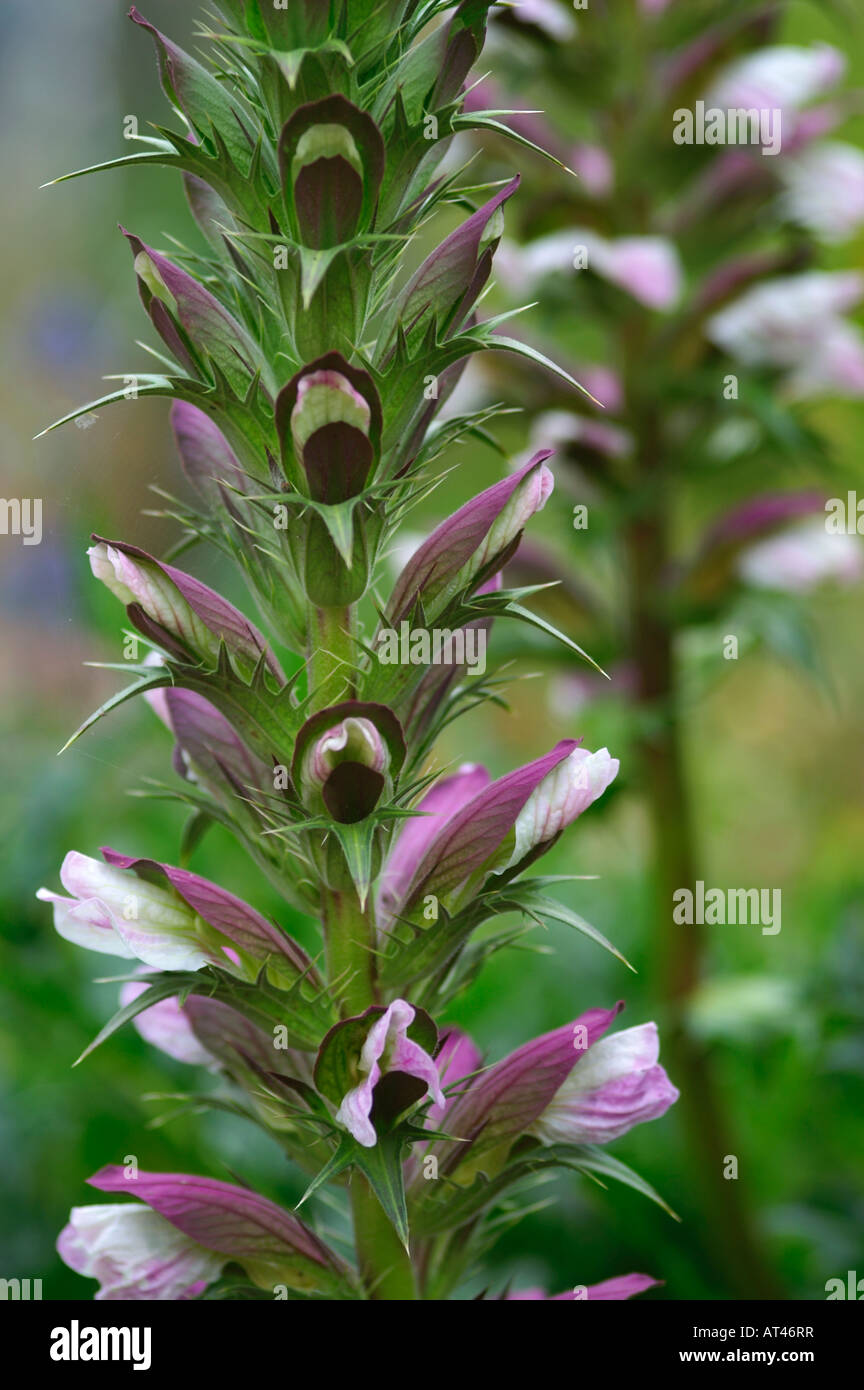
{"points": [[562, 428], [646, 267], [795, 322], [824, 189], [798, 560], [594, 167], [604, 383], [784, 76]]}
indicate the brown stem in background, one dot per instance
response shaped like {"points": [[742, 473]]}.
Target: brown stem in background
{"points": [[730, 1233]]}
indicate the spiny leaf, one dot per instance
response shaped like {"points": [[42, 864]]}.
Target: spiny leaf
{"points": [[158, 988], [153, 682]]}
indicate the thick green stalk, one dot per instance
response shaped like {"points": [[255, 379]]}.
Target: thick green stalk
{"points": [[331, 656], [350, 942]]}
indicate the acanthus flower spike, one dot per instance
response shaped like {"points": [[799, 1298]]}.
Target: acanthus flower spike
{"points": [[315, 345]]}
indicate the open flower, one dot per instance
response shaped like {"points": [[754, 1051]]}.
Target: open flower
{"points": [[112, 912], [168, 918], [617, 1084], [136, 1254], [570, 1086], [193, 1227], [387, 1049]]}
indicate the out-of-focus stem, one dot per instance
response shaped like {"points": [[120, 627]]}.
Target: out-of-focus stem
{"points": [[729, 1227]]}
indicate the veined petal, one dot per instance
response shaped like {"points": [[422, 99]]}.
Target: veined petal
{"points": [[229, 915], [135, 1254], [509, 1098], [272, 1244], [567, 791], [89, 924], [387, 1048], [474, 835], [615, 1085], [478, 533], [438, 805]]}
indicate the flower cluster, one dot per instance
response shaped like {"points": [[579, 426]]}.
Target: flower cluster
{"points": [[308, 361]]}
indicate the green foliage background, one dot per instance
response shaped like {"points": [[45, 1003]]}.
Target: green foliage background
{"points": [[775, 758]]}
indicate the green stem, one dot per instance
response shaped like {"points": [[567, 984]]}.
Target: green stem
{"points": [[331, 656], [350, 941]]}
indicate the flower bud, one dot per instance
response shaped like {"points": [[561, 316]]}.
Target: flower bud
{"points": [[331, 157], [477, 540], [165, 604], [347, 765], [566, 791], [328, 419]]}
